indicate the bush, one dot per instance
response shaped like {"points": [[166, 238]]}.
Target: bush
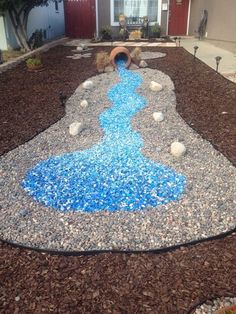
{"points": [[106, 32], [36, 39], [156, 30], [102, 60], [136, 55], [34, 62]]}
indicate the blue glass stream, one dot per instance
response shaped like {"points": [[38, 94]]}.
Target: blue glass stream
{"points": [[113, 174]]}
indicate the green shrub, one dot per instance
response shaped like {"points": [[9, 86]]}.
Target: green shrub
{"points": [[33, 62]]}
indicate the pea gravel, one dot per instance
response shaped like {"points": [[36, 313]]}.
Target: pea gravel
{"points": [[206, 209], [213, 306]]}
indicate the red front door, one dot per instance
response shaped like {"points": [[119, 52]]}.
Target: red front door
{"points": [[80, 18], [178, 17]]}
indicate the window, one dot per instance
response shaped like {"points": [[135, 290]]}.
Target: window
{"points": [[135, 8], [56, 6]]}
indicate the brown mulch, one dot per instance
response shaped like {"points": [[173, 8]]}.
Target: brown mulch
{"points": [[167, 283]]}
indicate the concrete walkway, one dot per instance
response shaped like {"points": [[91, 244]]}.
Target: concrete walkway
{"points": [[207, 53]]}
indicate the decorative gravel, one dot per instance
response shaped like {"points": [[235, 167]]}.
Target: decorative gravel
{"points": [[206, 209], [211, 306], [145, 55]]}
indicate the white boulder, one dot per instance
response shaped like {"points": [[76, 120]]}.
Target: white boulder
{"points": [[177, 149], [155, 87], [84, 103], [108, 69], [75, 128], [158, 116], [143, 64], [79, 48], [83, 46], [88, 84]]}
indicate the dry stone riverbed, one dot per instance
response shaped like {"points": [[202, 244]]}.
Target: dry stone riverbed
{"points": [[205, 209]]}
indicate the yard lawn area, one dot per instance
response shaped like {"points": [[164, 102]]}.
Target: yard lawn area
{"points": [[165, 282]]}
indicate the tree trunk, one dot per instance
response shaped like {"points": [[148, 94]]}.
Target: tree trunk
{"points": [[19, 27]]}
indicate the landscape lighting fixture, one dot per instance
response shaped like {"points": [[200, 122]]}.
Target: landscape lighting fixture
{"points": [[195, 50], [62, 98], [179, 39], [218, 58]]}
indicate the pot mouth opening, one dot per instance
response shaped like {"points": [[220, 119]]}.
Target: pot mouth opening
{"points": [[121, 56]]}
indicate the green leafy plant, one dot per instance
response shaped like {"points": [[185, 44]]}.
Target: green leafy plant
{"points": [[34, 63], [106, 32], [156, 30], [36, 39]]}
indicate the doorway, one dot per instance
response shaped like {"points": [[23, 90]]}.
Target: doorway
{"points": [[178, 17], [80, 18]]}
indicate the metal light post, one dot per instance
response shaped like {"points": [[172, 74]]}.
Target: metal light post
{"points": [[218, 58], [195, 51], [179, 39], [62, 97]]}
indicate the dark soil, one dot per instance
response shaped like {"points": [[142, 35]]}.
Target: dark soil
{"points": [[167, 283]]}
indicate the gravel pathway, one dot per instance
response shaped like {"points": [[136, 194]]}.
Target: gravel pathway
{"points": [[206, 209]]}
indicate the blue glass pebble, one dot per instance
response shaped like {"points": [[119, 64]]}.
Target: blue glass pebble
{"points": [[112, 175]]}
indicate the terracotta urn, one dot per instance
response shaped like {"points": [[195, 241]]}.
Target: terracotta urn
{"points": [[120, 50]]}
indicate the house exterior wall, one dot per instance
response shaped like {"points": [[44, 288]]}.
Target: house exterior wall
{"points": [[221, 23], [104, 17], [3, 39], [164, 17], [48, 19], [45, 18]]}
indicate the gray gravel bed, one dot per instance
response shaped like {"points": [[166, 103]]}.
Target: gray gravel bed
{"points": [[206, 209], [211, 306]]}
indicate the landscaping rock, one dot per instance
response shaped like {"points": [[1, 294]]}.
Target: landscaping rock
{"points": [[133, 66], [155, 87], [84, 103], [143, 64], [109, 68], [75, 128], [88, 85], [83, 46], [158, 116], [79, 48], [87, 55], [177, 149]]}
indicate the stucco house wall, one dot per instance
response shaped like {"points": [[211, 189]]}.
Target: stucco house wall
{"points": [[47, 18], [221, 18], [104, 17]]}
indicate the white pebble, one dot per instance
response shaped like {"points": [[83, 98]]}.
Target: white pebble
{"points": [[143, 64], [79, 48], [158, 116], [88, 85], [83, 46], [177, 149], [75, 128], [17, 298], [155, 87], [84, 103]]}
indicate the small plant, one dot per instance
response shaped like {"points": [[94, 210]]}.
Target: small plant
{"points": [[34, 63], [136, 55], [156, 30], [36, 39], [106, 32], [102, 60], [137, 34]]}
